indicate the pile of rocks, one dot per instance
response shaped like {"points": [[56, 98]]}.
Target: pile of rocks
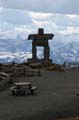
{"points": [[55, 67]]}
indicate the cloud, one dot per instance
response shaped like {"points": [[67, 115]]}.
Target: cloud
{"points": [[55, 6], [1, 9], [13, 33], [70, 31], [14, 16], [41, 23], [14, 22], [72, 16], [23, 29], [40, 16]]}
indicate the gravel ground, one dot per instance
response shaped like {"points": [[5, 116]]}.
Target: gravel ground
{"points": [[55, 98]]}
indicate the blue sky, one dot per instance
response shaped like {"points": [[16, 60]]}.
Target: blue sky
{"points": [[24, 17]]}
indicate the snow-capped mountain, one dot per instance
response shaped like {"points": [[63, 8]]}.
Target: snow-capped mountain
{"points": [[63, 48], [13, 45]]}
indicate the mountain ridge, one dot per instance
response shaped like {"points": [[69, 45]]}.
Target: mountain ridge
{"points": [[62, 48]]}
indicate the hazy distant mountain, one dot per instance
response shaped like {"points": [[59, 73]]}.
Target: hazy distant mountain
{"points": [[14, 45], [63, 48]]}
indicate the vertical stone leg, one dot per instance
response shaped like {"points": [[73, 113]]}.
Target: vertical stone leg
{"points": [[33, 52], [46, 53]]}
